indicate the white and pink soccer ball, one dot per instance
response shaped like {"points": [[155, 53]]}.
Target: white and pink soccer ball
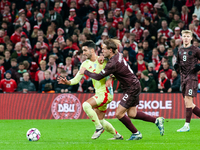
{"points": [[33, 134]]}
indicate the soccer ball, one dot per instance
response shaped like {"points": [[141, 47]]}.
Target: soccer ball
{"points": [[33, 134]]}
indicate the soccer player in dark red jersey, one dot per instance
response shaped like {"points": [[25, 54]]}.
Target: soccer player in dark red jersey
{"points": [[187, 59], [130, 85]]}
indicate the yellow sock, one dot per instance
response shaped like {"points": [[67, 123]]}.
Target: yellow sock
{"points": [[108, 127], [91, 114]]}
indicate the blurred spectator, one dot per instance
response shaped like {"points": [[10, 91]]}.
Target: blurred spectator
{"points": [[177, 34], [164, 83], [69, 49], [42, 55], [62, 88], [108, 28], [39, 76], [120, 31], [26, 85], [167, 70], [148, 84], [196, 43], [7, 63], [154, 57], [167, 32], [184, 15], [58, 55], [52, 65], [8, 85], [197, 8], [171, 56], [54, 16], [85, 10], [60, 37], [92, 24], [2, 50], [131, 52], [128, 58], [149, 26], [46, 85], [14, 67], [163, 6], [175, 22], [16, 36], [162, 51], [140, 65], [138, 30], [146, 3], [68, 67], [2, 70], [176, 83], [24, 56], [178, 44], [24, 43], [131, 15], [19, 74], [68, 29], [152, 72], [147, 51]]}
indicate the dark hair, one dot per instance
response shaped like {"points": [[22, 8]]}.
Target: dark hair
{"points": [[110, 44], [17, 27], [14, 59], [166, 57], [89, 44], [121, 23], [138, 21], [110, 20], [70, 39], [148, 19], [21, 63], [114, 2]]}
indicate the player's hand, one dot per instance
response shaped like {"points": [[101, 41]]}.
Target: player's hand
{"points": [[145, 89], [109, 82], [101, 59], [82, 70], [62, 80]]}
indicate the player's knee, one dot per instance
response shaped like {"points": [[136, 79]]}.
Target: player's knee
{"points": [[132, 114], [86, 106], [119, 115]]}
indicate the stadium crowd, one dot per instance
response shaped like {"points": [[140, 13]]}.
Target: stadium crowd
{"points": [[40, 41]]}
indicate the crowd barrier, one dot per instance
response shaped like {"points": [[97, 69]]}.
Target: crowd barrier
{"points": [[69, 106]]}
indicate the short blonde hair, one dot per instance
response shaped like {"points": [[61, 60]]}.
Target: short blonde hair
{"points": [[48, 71], [186, 32], [43, 62], [68, 58], [25, 74], [52, 56]]}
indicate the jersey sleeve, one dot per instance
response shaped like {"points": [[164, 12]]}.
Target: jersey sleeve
{"points": [[109, 69], [78, 76]]}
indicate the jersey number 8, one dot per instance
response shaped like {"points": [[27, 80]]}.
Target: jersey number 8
{"points": [[184, 57]]}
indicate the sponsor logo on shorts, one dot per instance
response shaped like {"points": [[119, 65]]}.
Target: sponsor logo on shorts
{"points": [[66, 106]]}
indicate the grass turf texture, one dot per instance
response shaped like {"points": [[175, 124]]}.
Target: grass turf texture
{"points": [[76, 134]]}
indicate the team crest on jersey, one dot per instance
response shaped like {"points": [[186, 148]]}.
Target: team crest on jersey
{"points": [[184, 52], [190, 53], [95, 65], [90, 67]]}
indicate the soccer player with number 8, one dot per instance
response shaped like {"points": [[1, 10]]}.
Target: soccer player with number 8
{"points": [[187, 59]]}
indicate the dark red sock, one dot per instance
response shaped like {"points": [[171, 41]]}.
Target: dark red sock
{"points": [[188, 114], [127, 122], [196, 111], [145, 117]]}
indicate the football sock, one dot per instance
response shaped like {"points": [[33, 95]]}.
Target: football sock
{"points": [[91, 114], [196, 111], [145, 117], [127, 122], [188, 114], [108, 127]]}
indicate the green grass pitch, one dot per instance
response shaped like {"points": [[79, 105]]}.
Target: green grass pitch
{"points": [[76, 134]]}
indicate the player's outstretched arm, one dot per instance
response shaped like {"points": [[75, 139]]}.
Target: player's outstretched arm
{"points": [[62, 80]]}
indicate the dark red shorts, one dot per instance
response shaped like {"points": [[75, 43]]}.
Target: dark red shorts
{"points": [[131, 96], [189, 88]]}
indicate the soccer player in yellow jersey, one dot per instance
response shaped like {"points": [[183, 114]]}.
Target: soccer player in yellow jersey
{"points": [[96, 106]]}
